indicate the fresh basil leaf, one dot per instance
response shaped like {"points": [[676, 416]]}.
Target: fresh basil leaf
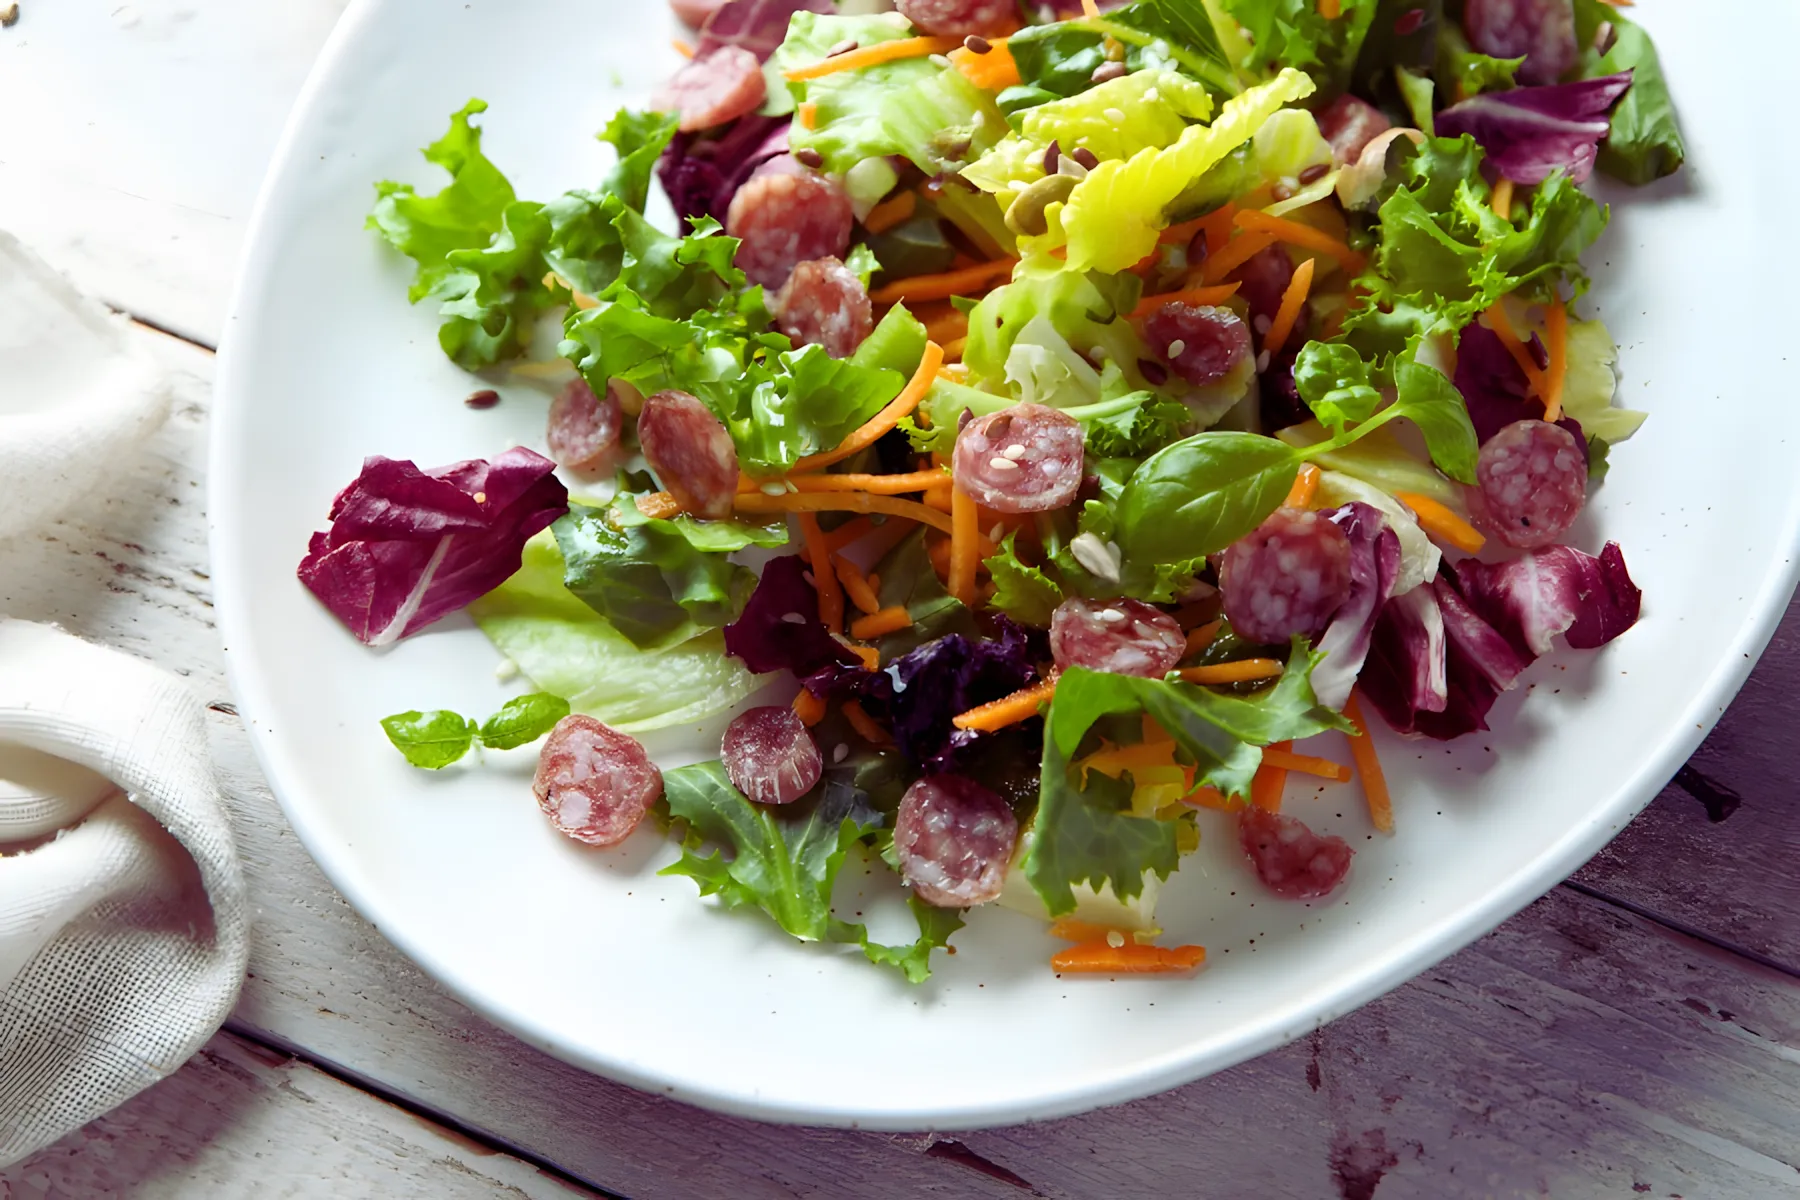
{"points": [[523, 719], [1644, 143], [1201, 494], [1428, 399], [432, 740], [1022, 592], [1334, 381]]}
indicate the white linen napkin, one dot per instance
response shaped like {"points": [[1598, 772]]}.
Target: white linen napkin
{"points": [[123, 924]]}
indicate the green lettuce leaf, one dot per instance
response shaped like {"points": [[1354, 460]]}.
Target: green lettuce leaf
{"points": [[1291, 33], [1464, 73], [1644, 142], [808, 402], [1021, 591], [1591, 382], [1059, 59]]}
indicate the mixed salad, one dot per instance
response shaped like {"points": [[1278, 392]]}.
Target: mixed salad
{"points": [[1076, 406]]}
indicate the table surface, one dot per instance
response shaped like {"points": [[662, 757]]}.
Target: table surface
{"points": [[1636, 1031]]}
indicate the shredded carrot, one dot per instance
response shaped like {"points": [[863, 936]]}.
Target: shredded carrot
{"points": [[1304, 236], [1073, 929], [1503, 198], [954, 348], [1280, 756], [965, 530], [855, 586], [807, 115], [809, 708], [1292, 301], [659, 506], [1200, 638], [891, 212], [1099, 958], [1330, 9], [1443, 523], [874, 56], [682, 48], [1204, 295], [1008, 710], [1270, 780], [831, 598], [1090, 10], [882, 621], [886, 419], [938, 498], [1306, 485], [853, 502], [992, 70], [1556, 341], [1244, 670], [946, 284], [1210, 797], [869, 655], [1502, 326], [876, 485], [849, 533], [1234, 254], [865, 725], [1374, 783], [943, 321]]}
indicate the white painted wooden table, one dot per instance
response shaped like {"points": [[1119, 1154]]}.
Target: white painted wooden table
{"points": [[1635, 1032]]}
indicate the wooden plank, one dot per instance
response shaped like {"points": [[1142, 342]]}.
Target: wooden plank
{"points": [[1524, 1057], [237, 1120]]}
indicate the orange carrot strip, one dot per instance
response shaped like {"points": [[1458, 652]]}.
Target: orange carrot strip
{"points": [[1234, 254], [1442, 523], [1073, 929], [809, 708], [942, 320], [992, 71], [1502, 326], [886, 419], [855, 502], [944, 285], [1205, 295], [1292, 301], [1374, 782], [855, 586], [874, 56], [965, 530], [682, 48], [1099, 958], [1090, 9], [953, 349], [878, 485], [1330, 9], [891, 212], [1503, 198], [1209, 797], [831, 598], [849, 533], [807, 115], [938, 498], [1304, 236], [882, 621], [869, 655], [1556, 341], [1245, 670], [1008, 710], [1269, 781], [659, 506], [1306, 485], [1200, 638], [865, 725], [1280, 756]]}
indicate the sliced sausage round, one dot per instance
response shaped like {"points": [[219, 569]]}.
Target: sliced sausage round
{"points": [[691, 453], [594, 783], [770, 755], [787, 214], [823, 303], [1531, 482], [711, 90], [954, 839], [584, 428], [1349, 125], [1288, 576], [1290, 859], [1124, 637], [693, 13], [1022, 459], [959, 18], [1540, 31], [1204, 344]]}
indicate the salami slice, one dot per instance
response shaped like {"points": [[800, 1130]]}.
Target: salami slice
{"points": [[1349, 125], [787, 214], [770, 755], [823, 303], [1022, 459], [691, 453], [1204, 344], [1264, 281], [584, 428], [1287, 577], [1290, 859], [1540, 31], [711, 90], [594, 783], [954, 839], [1125, 637], [959, 18], [1531, 483]]}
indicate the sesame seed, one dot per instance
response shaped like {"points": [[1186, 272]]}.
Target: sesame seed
{"points": [[506, 669], [1282, 190], [1016, 451], [1114, 938], [481, 497], [1262, 362], [793, 618], [1111, 616], [1151, 95], [1002, 464], [485, 398], [840, 752], [1261, 324], [1071, 166], [997, 532], [976, 44], [1115, 115], [1177, 348], [1315, 172], [808, 157], [843, 47], [775, 487], [938, 60], [1052, 153], [1108, 71], [1086, 157]]}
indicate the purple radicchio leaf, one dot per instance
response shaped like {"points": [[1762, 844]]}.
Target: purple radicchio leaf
{"points": [[758, 26], [407, 546], [702, 172], [918, 694], [1494, 387], [780, 629], [1556, 590], [1374, 566], [1530, 133], [1405, 673]]}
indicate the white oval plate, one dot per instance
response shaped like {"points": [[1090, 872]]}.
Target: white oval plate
{"points": [[593, 957]]}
